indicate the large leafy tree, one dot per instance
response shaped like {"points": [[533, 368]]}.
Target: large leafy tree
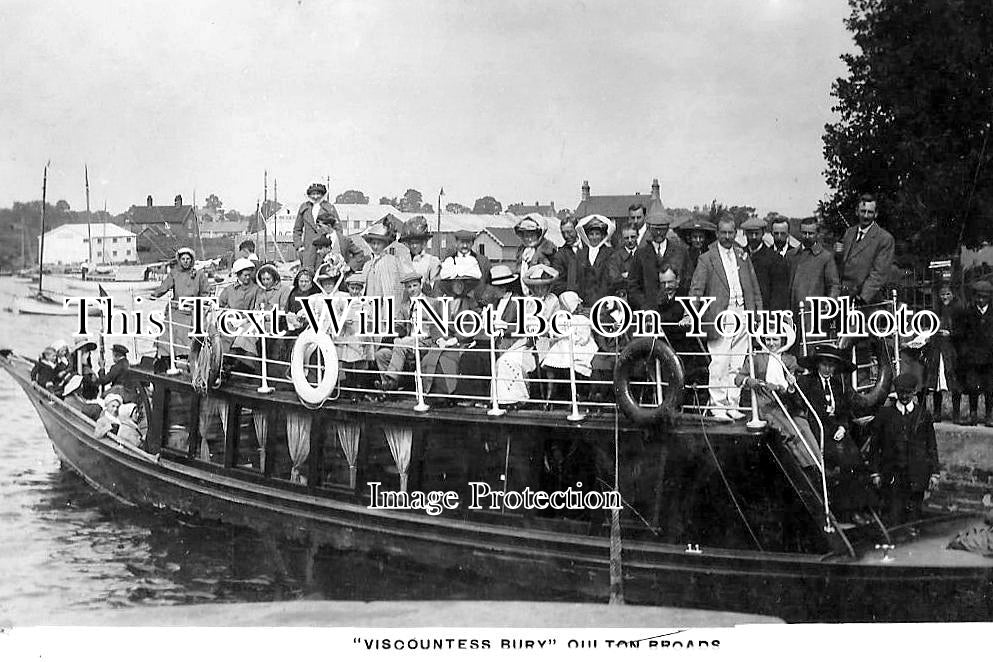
{"points": [[352, 197], [487, 205], [914, 127]]}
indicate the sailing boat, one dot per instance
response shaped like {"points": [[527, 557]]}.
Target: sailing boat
{"points": [[41, 302]]}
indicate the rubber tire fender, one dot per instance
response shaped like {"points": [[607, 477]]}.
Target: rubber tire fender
{"points": [[637, 353], [881, 389], [304, 347]]}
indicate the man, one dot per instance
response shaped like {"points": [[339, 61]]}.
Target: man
{"points": [[643, 277], [904, 456], [975, 340], [390, 360], [414, 235], [623, 256], [183, 281], [593, 278], [246, 249], [866, 256], [564, 260], [117, 377], [463, 249], [317, 217], [812, 272], [725, 273], [637, 213], [781, 239], [770, 268]]}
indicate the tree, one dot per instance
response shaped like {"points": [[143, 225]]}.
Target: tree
{"points": [[388, 201], [352, 197], [456, 208], [411, 201], [62, 206], [213, 202], [427, 208], [487, 205], [232, 215], [914, 122]]}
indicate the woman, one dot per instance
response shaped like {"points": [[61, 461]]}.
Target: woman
{"points": [[128, 431], [109, 421], [535, 247], [303, 286], [382, 273], [940, 356], [774, 376], [698, 236]]}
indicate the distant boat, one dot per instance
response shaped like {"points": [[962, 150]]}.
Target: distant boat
{"points": [[47, 304]]}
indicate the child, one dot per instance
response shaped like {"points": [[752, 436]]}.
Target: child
{"points": [[45, 370], [904, 457], [556, 364]]}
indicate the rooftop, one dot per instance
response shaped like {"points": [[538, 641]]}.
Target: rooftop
{"points": [[159, 214], [95, 229]]}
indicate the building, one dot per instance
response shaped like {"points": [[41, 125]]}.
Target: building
{"points": [[521, 209], [499, 244], [614, 207], [160, 230], [215, 229], [71, 244]]}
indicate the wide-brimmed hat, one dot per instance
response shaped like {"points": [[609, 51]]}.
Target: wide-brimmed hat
{"points": [[187, 250], [84, 346], [60, 344], [241, 264], [408, 276], [110, 397], [355, 279], [684, 231], [982, 287], [501, 274], [460, 267], [829, 353], [317, 188], [532, 223], [595, 221], [415, 229], [267, 268], [540, 274], [788, 336], [379, 232], [119, 349], [74, 383]]}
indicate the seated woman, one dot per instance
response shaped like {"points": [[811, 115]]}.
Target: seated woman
{"points": [[525, 354], [774, 376], [109, 421], [63, 364], [355, 349], [74, 397], [128, 431], [45, 370]]}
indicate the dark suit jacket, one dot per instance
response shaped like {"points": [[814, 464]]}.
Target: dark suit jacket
{"points": [[772, 273], [866, 265], [619, 268], [903, 446], [710, 280], [974, 336], [643, 276], [593, 281], [564, 261]]}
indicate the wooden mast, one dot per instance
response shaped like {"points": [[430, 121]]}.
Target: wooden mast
{"points": [[89, 227], [41, 240]]}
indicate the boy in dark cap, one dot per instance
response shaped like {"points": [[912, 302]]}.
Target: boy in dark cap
{"points": [[904, 456], [117, 376]]}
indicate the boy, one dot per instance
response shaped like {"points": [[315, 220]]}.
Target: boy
{"points": [[904, 457]]}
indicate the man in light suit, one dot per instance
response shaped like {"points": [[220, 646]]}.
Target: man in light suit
{"points": [[866, 256], [725, 273]]}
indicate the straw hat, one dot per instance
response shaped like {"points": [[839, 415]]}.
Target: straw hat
{"points": [[501, 274], [241, 264], [378, 231], [540, 274]]}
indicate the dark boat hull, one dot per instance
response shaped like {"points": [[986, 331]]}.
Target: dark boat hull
{"points": [[796, 587]]}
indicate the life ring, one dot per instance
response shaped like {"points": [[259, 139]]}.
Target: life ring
{"points": [[636, 355], [868, 400], [303, 349]]}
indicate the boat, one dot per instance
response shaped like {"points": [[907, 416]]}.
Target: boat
{"points": [[715, 515]]}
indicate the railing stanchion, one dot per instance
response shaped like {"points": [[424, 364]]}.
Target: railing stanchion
{"points": [[896, 338], [421, 406], [756, 423], [575, 415], [173, 370], [494, 409], [265, 388]]}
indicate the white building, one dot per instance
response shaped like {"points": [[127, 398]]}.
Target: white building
{"points": [[69, 244]]}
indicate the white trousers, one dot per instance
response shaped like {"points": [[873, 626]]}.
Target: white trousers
{"points": [[727, 355]]}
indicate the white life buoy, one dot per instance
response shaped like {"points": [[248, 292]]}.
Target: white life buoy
{"points": [[303, 349]]}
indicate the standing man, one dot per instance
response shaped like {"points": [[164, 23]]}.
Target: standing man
{"points": [[770, 268], [725, 273], [643, 278], [975, 340], [637, 213], [866, 256], [812, 272], [565, 259], [781, 238], [183, 281], [621, 260]]}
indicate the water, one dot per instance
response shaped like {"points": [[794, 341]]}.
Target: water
{"points": [[66, 548]]}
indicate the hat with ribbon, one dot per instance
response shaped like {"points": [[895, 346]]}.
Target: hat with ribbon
{"points": [[501, 274], [826, 353], [415, 229], [532, 223], [317, 188], [540, 274], [378, 232], [411, 275]]}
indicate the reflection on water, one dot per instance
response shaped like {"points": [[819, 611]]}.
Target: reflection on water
{"points": [[66, 547]]}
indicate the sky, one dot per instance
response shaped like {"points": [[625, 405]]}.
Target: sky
{"points": [[719, 99]]}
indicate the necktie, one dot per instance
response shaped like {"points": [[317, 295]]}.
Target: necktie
{"points": [[861, 234], [829, 392]]}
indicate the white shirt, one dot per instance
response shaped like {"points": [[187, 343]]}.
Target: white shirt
{"points": [[641, 233], [829, 392], [660, 248], [982, 309], [731, 270], [593, 254], [863, 232], [905, 408]]}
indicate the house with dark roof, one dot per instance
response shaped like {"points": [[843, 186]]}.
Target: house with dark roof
{"points": [[161, 229], [499, 244], [521, 209], [614, 207]]}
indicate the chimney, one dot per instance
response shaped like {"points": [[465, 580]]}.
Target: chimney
{"points": [[179, 201], [536, 204], [148, 201], [586, 190], [656, 195]]}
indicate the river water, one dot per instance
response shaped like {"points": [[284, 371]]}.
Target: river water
{"points": [[65, 548]]}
